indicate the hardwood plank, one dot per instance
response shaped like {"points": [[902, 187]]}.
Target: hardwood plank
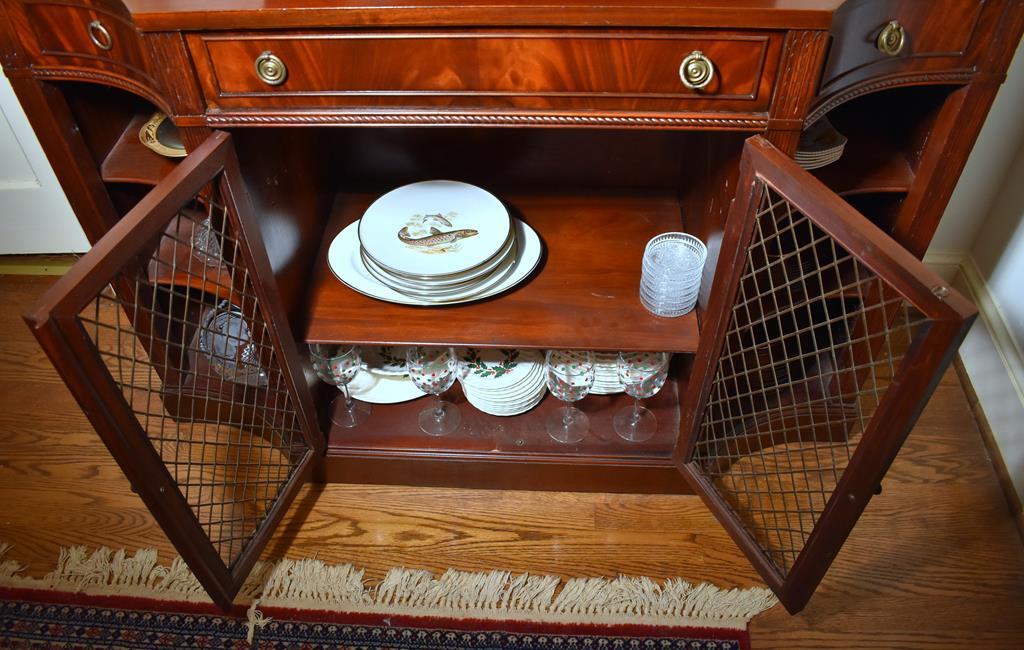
{"points": [[935, 561]]}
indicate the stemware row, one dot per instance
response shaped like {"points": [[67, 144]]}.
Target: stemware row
{"points": [[568, 374]]}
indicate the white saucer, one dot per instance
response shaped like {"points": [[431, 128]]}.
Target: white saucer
{"points": [[345, 262]]}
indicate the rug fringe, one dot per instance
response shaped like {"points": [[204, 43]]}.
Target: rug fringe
{"points": [[313, 584]]}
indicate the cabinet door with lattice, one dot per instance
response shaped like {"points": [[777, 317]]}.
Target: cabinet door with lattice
{"points": [[823, 339], [171, 335]]}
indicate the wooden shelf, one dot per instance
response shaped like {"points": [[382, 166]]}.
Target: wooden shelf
{"points": [[584, 295], [393, 430], [129, 161], [174, 263], [870, 164]]}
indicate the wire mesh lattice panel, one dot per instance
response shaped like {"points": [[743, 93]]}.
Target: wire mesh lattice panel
{"points": [[184, 337], [813, 341]]}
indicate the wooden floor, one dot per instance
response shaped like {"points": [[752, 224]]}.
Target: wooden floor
{"points": [[935, 562]]}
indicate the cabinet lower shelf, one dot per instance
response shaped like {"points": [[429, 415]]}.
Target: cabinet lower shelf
{"points": [[512, 452], [584, 295]]}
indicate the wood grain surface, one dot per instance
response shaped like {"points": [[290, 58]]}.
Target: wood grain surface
{"points": [[535, 69], [935, 561], [158, 15], [584, 293]]}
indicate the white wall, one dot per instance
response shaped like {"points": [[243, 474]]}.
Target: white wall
{"points": [[34, 214], [998, 142], [982, 234]]}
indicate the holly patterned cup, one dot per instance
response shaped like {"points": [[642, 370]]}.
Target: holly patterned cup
{"points": [[570, 376], [338, 365], [434, 370], [642, 375]]}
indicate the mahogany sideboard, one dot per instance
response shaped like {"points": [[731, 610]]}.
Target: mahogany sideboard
{"points": [[818, 338]]}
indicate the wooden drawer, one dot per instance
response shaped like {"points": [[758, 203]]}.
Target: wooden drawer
{"points": [[62, 35], [936, 35], [518, 69]]}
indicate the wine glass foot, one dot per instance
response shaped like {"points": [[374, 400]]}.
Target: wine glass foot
{"points": [[433, 424], [348, 417], [635, 426], [570, 432]]}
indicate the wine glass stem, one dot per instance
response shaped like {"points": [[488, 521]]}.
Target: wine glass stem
{"points": [[438, 408], [568, 417], [348, 398], [635, 418]]}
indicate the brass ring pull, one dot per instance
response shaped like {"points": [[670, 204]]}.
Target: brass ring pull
{"points": [[892, 38], [99, 36], [696, 71], [271, 69]]}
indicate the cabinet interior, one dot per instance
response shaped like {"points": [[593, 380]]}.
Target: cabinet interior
{"points": [[594, 196]]}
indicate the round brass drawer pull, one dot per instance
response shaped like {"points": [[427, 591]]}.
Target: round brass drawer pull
{"points": [[271, 69], [892, 38], [696, 70], [99, 36]]}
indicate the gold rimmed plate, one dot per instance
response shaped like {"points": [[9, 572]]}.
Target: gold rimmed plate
{"points": [[160, 135]]}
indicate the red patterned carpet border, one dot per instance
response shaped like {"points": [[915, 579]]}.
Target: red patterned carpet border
{"points": [[49, 619]]}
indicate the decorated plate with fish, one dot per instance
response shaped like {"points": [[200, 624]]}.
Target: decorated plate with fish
{"points": [[434, 229], [346, 263]]}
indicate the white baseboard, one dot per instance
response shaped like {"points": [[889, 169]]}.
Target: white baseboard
{"points": [[993, 361]]}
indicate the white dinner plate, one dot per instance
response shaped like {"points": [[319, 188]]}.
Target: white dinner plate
{"points": [[345, 262], [385, 359], [434, 228], [368, 386]]}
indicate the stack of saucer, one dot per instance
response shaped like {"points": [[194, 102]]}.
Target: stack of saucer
{"points": [[435, 242], [606, 374], [820, 145], [502, 382]]}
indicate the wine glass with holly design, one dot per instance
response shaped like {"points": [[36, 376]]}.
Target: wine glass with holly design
{"points": [[433, 370], [570, 376], [642, 375], [337, 365]]}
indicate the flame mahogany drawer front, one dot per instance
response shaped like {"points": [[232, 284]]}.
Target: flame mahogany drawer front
{"points": [[510, 69], [66, 35], [930, 35]]}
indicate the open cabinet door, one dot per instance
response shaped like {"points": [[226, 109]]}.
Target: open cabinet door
{"points": [[826, 339], [172, 337]]}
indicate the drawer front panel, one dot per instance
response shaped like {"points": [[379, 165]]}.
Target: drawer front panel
{"points": [[936, 35], [64, 37], [521, 69]]}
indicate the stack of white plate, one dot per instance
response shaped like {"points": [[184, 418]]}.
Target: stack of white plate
{"points": [[384, 378], [820, 145], [606, 374], [435, 242], [502, 382]]}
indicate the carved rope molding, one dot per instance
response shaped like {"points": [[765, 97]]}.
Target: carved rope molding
{"points": [[124, 83], [491, 119], [865, 88]]}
